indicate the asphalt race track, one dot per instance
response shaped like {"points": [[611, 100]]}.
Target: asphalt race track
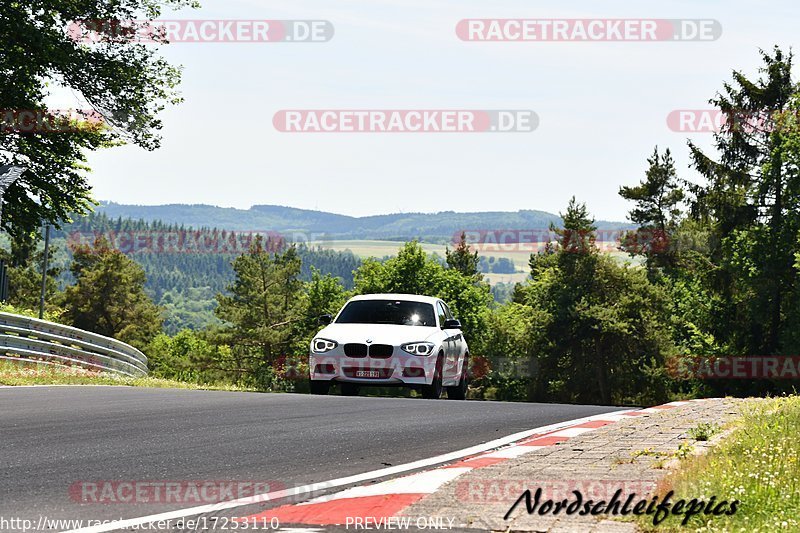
{"points": [[53, 439]]}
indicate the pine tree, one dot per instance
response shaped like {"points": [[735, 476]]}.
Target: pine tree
{"points": [[463, 259], [578, 232], [752, 204], [261, 309], [108, 296], [658, 196], [657, 212]]}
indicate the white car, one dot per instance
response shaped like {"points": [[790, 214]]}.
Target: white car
{"points": [[391, 339]]}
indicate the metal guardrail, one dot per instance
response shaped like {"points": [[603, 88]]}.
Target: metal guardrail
{"points": [[28, 340]]}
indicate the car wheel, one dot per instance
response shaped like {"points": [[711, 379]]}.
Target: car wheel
{"points": [[434, 390], [350, 389], [459, 392], [320, 387]]}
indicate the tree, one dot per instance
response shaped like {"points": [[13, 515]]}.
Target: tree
{"points": [[658, 196], [463, 259], [513, 340], [657, 212], [752, 206], [604, 335], [25, 273], [125, 82], [261, 309], [577, 235], [108, 296], [412, 271], [323, 295], [189, 356]]}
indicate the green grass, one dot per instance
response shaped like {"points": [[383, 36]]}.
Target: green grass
{"points": [[704, 431], [12, 374], [757, 464]]}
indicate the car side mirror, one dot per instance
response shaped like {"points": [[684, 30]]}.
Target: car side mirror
{"points": [[325, 319], [451, 323]]}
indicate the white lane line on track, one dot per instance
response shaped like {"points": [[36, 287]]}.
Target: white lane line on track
{"points": [[511, 452], [426, 482], [571, 432], [341, 482]]}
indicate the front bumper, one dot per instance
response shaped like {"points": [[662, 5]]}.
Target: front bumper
{"points": [[399, 369]]}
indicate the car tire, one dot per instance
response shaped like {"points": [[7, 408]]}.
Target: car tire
{"points": [[434, 390], [350, 389], [320, 387], [459, 392]]}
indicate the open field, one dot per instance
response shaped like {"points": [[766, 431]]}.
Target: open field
{"points": [[516, 277], [518, 253], [369, 248]]}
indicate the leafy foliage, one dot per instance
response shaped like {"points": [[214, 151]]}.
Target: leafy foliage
{"points": [[658, 212], [463, 259], [414, 272], [601, 326], [752, 207], [260, 310], [125, 82], [109, 297]]}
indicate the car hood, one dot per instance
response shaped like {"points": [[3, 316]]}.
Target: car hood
{"points": [[379, 333]]}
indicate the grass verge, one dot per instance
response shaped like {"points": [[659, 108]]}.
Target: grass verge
{"points": [[757, 464], [12, 374]]}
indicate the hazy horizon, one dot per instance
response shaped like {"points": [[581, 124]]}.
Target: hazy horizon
{"points": [[551, 212]]}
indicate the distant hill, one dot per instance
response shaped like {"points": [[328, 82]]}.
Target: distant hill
{"points": [[431, 227]]}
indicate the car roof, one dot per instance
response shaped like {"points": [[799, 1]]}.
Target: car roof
{"points": [[393, 296]]}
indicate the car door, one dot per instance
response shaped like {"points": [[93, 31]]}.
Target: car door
{"points": [[450, 357], [456, 342]]}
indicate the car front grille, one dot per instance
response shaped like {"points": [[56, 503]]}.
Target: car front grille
{"points": [[381, 350], [355, 350]]}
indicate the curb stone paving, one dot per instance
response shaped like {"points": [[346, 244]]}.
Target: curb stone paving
{"points": [[604, 456], [595, 450]]}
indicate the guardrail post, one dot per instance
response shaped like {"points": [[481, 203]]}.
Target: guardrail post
{"points": [[3, 281], [44, 269]]}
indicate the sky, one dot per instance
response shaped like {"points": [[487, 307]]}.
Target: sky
{"points": [[602, 107]]}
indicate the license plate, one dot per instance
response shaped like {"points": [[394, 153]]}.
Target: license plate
{"points": [[368, 374]]}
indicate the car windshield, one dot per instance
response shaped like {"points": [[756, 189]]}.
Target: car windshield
{"points": [[397, 312]]}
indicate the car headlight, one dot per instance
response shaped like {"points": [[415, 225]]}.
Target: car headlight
{"points": [[419, 348], [323, 345]]}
